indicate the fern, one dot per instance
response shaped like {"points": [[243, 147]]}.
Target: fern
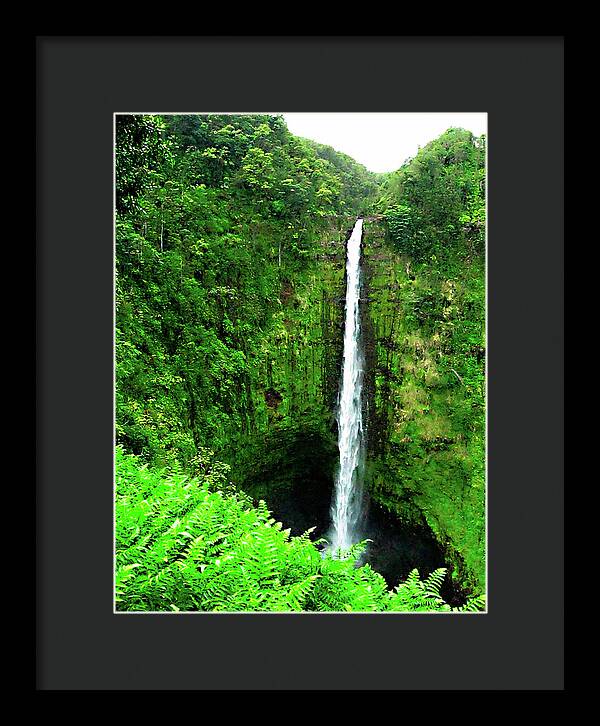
{"points": [[195, 544], [415, 595], [473, 604]]}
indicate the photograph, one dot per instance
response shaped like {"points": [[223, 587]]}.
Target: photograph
{"points": [[300, 370]]}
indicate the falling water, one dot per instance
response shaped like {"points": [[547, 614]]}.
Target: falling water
{"points": [[347, 501]]}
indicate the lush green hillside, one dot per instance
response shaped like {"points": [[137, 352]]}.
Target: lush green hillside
{"points": [[361, 186], [426, 285], [219, 219]]}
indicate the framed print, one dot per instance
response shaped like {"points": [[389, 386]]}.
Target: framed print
{"points": [[294, 362]]}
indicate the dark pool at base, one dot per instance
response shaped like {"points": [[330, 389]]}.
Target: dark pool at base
{"points": [[395, 550]]}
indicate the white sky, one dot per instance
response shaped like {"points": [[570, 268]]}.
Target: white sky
{"points": [[380, 141]]}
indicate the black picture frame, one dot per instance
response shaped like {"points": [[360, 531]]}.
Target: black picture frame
{"points": [[81, 82]]}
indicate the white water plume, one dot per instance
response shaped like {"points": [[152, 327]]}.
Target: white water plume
{"points": [[346, 508]]}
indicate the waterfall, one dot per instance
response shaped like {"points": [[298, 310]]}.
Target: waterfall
{"points": [[347, 501]]}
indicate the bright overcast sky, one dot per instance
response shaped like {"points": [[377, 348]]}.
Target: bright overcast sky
{"points": [[380, 141]]}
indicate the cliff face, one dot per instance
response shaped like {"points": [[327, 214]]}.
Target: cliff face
{"points": [[426, 426], [425, 465], [289, 452]]}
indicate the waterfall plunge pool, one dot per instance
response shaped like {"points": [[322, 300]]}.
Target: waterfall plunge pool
{"points": [[304, 502]]}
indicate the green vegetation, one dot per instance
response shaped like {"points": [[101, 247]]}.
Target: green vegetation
{"points": [[229, 305], [427, 290], [196, 544], [361, 187], [219, 220], [435, 204]]}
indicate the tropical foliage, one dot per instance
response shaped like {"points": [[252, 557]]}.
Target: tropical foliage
{"points": [[429, 296], [215, 216], [193, 543], [435, 204]]}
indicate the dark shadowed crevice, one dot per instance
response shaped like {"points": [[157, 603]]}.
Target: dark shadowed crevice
{"points": [[294, 474]]}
